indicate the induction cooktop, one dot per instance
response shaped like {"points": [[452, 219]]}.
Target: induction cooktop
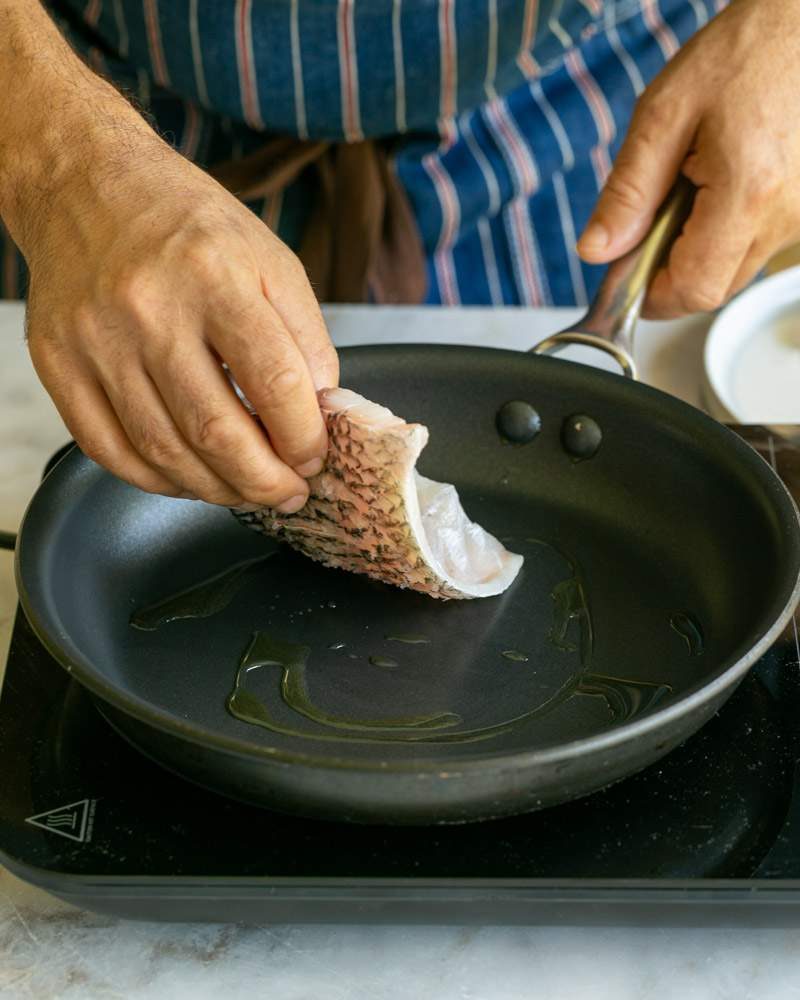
{"points": [[708, 835]]}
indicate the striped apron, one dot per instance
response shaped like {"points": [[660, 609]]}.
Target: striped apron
{"points": [[509, 112]]}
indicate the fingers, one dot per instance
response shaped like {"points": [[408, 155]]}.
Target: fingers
{"points": [[272, 372], [645, 169], [217, 428], [296, 304], [149, 337], [91, 420], [152, 431], [213, 451], [706, 259]]}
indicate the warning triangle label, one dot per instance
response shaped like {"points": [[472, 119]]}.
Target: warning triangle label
{"points": [[73, 821]]}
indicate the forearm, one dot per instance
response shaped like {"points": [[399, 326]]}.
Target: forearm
{"points": [[55, 113]]}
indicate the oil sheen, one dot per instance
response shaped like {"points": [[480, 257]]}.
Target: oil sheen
{"points": [[690, 630], [383, 661], [200, 601], [291, 659], [571, 632]]}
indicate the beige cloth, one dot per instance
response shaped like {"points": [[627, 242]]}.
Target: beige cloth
{"points": [[361, 242]]}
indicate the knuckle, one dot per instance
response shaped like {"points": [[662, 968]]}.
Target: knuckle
{"points": [[691, 291], [268, 494], [211, 262], [158, 447], [203, 248], [131, 291], [261, 488], [267, 489], [97, 450], [280, 381], [698, 298], [215, 432], [163, 454], [624, 186], [761, 188]]}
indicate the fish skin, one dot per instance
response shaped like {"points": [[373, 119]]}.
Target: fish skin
{"points": [[357, 517]]}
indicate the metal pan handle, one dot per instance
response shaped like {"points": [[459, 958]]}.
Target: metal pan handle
{"points": [[612, 316]]}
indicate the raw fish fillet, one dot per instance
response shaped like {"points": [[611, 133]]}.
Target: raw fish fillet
{"points": [[371, 512]]}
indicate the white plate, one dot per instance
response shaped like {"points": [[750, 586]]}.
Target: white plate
{"points": [[752, 354]]}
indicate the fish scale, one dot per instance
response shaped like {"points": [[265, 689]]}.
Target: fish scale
{"points": [[370, 512]]}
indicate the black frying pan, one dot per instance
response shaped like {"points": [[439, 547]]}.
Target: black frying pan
{"points": [[657, 571]]}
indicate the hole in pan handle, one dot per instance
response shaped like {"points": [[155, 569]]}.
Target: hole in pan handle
{"points": [[7, 540], [612, 316]]}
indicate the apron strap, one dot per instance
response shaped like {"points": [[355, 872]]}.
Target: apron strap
{"points": [[361, 242]]}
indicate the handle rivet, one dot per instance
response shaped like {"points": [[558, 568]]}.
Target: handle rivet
{"points": [[581, 436], [518, 422]]}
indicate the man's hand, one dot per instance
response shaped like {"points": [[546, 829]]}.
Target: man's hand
{"points": [[142, 282], [724, 112], [147, 276]]}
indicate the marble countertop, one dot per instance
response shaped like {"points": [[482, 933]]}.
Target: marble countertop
{"points": [[49, 950]]}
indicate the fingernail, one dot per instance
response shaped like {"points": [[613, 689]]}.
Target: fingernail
{"points": [[249, 508], [595, 237], [310, 468], [293, 504]]}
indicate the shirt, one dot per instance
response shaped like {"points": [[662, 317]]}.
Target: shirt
{"points": [[508, 113]]}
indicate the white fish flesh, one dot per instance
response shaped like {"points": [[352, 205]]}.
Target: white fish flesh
{"points": [[371, 512]]}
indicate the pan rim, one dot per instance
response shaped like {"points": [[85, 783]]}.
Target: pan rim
{"points": [[82, 669]]}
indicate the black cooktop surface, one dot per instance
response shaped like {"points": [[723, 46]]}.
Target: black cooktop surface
{"points": [[711, 833]]}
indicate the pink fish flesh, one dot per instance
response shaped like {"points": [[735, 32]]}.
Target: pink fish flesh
{"points": [[371, 512]]}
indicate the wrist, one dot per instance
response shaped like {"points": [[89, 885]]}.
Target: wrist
{"points": [[55, 155], [60, 124]]}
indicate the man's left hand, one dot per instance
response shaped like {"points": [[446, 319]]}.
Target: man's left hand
{"points": [[724, 112]]}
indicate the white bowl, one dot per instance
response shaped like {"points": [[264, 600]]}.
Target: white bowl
{"points": [[752, 354]]}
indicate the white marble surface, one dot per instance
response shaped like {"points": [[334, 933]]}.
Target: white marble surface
{"points": [[49, 951]]}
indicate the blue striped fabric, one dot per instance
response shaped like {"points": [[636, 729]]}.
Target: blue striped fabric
{"points": [[509, 112]]}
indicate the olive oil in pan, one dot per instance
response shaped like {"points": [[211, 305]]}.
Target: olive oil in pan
{"points": [[690, 630], [383, 661], [200, 601], [570, 605], [623, 696], [265, 651], [570, 608], [571, 632]]}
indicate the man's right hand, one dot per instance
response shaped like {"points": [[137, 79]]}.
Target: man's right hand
{"points": [[147, 276], [143, 280]]}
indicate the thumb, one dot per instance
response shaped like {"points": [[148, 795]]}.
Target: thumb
{"points": [[645, 169]]}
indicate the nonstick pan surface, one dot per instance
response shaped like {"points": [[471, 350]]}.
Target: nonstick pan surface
{"points": [[655, 574]]}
